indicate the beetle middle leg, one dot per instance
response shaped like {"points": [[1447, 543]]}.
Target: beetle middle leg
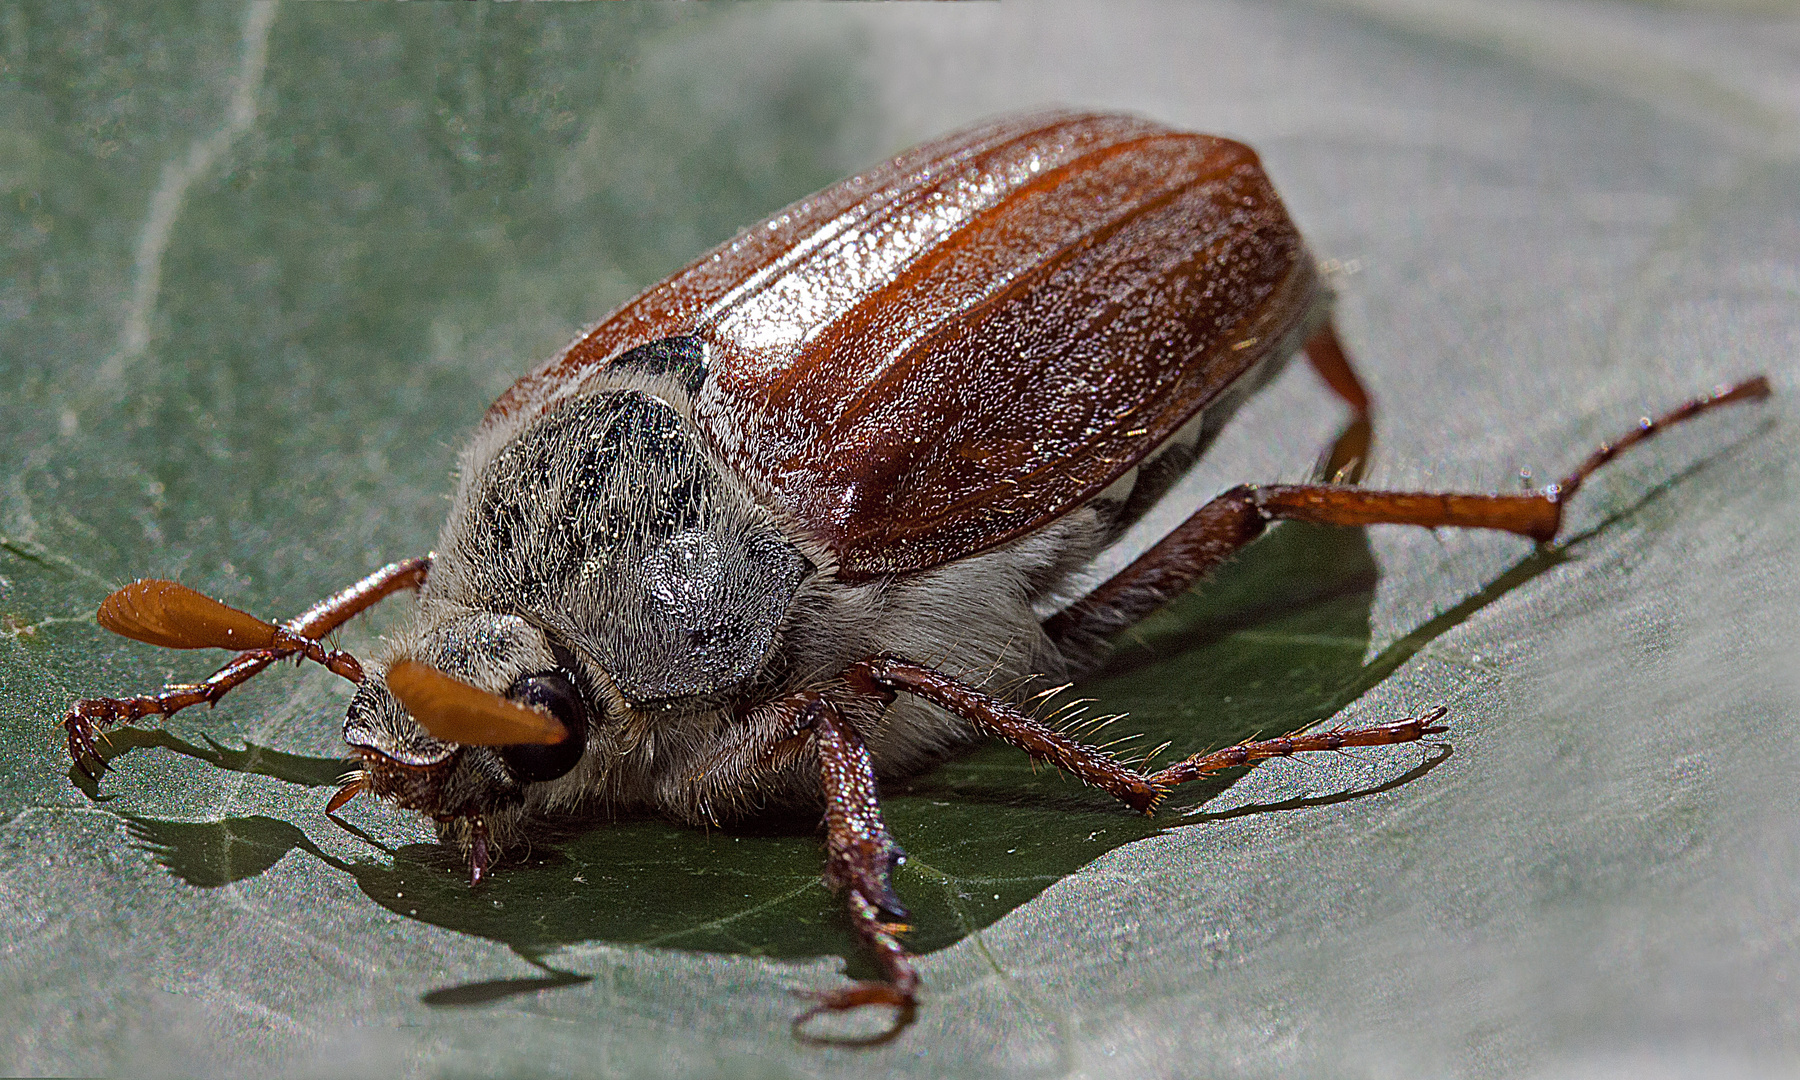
{"points": [[1137, 790], [861, 854], [86, 719], [998, 719]]}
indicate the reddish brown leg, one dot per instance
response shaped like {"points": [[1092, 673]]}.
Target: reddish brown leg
{"points": [[1399, 731], [1221, 527], [860, 859], [883, 675], [85, 719], [1349, 454], [861, 854], [1000, 720]]}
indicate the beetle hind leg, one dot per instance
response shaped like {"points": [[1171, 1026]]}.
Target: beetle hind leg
{"points": [[1348, 456], [1222, 527], [1537, 515]]}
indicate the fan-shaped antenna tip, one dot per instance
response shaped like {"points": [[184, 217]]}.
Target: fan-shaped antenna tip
{"points": [[174, 616], [454, 711]]}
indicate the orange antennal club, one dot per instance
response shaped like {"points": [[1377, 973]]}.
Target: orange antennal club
{"points": [[176, 617], [454, 711]]}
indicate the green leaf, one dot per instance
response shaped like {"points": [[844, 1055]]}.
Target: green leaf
{"points": [[265, 267]]}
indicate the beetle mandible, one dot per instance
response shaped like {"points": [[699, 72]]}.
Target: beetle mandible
{"points": [[742, 542]]}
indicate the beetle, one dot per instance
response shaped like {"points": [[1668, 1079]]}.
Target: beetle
{"points": [[801, 519]]}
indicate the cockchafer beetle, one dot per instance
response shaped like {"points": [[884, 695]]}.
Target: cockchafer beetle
{"points": [[741, 543]]}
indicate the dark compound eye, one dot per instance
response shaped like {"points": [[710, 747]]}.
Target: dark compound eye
{"points": [[552, 692]]}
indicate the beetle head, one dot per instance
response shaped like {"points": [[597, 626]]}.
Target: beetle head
{"points": [[466, 713]]}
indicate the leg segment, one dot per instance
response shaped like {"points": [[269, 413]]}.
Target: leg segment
{"points": [[862, 853], [860, 858], [342, 606], [884, 675], [1221, 527], [1327, 356], [1349, 454], [86, 718], [1399, 731]]}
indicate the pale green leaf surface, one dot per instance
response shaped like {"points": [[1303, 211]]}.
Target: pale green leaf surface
{"points": [[263, 269]]}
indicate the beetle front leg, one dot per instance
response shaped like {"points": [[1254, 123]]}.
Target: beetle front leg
{"points": [[860, 859], [86, 720]]}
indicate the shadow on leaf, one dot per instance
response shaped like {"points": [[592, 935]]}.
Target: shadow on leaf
{"points": [[483, 993], [257, 760]]}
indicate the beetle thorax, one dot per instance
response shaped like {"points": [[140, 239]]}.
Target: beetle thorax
{"points": [[602, 543], [607, 525]]}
